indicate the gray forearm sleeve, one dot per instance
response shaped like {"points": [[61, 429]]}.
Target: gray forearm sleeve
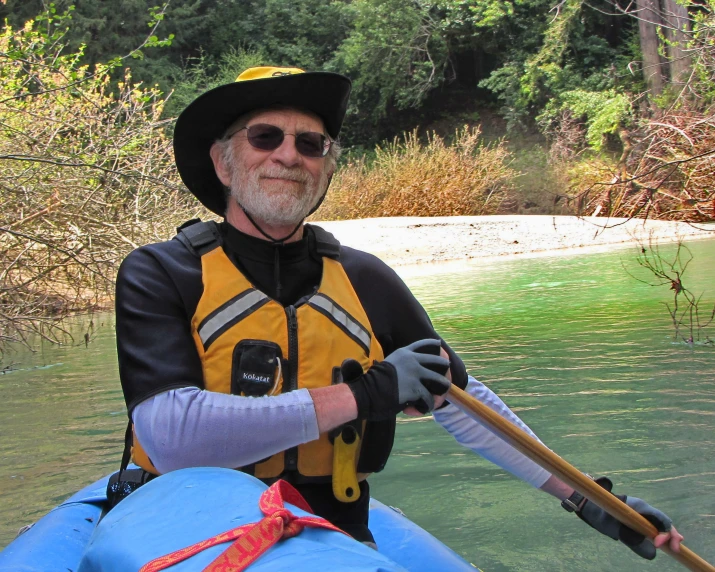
{"points": [[190, 427], [482, 441]]}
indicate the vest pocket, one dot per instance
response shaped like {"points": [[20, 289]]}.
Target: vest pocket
{"points": [[256, 368]]}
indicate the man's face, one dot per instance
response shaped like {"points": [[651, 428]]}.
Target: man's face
{"points": [[279, 187]]}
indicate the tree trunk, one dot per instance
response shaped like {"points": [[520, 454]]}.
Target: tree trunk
{"points": [[678, 24], [648, 21]]}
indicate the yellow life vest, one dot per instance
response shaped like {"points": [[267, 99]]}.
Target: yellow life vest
{"points": [[310, 341]]}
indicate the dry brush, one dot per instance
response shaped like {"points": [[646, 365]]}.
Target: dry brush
{"points": [[86, 175]]}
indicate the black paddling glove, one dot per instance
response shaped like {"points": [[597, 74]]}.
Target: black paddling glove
{"points": [[376, 392], [408, 375], [599, 519]]}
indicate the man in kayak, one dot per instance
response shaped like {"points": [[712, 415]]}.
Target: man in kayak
{"points": [[261, 343]]}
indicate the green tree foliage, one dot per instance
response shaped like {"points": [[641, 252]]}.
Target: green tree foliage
{"points": [[410, 60], [201, 75], [702, 45], [396, 53], [573, 53], [108, 30], [403, 56], [303, 33], [604, 112]]}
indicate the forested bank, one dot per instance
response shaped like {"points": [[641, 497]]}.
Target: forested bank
{"points": [[459, 107]]}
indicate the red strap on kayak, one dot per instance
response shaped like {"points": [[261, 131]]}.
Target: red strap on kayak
{"points": [[251, 540]]}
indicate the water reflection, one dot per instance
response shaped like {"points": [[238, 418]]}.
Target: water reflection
{"points": [[63, 419]]}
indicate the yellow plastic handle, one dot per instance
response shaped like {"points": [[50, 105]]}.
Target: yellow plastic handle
{"points": [[345, 482]]}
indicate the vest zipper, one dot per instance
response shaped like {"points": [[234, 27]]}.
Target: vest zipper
{"points": [[291, 455]]}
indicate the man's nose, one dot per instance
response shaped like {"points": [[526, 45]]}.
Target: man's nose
{"points": [[286, 153]]}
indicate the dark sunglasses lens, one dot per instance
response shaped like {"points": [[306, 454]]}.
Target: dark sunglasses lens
{"points": [[265, 137], [269, 137], [311, 144]]}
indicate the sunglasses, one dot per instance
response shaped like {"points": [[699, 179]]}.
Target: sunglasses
{"points": [[269, 137]]}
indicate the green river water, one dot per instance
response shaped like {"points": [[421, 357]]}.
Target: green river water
{"points": [[582, 351]]}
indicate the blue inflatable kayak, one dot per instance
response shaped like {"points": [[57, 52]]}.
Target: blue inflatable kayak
{"points": [[185, 507]]}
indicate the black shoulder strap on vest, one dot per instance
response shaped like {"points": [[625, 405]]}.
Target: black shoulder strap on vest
{"points": [[199, 237], [325, 243]]}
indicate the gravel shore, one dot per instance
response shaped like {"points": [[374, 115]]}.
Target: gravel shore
{"points": [[418, 240]]}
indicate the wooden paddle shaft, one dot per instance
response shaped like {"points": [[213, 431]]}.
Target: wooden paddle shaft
{"points": [[568, 474]]}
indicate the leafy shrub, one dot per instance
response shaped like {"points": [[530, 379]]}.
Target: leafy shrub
{"points": [[604, 112]]}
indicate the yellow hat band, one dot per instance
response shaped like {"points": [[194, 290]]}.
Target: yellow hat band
{"points": [[267, 72]]}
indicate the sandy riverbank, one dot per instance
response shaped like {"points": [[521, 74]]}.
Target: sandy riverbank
{"points": [[415, 240]]}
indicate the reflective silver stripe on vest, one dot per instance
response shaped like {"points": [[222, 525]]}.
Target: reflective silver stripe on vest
{"points": [[230, 313], [342, 319]]}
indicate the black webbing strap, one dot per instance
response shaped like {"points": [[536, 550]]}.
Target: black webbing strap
{"points": [[125, 481], [325, 243], [128, 441], [199, 237]]}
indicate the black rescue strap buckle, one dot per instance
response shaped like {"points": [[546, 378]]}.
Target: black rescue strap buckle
{"points": [[573, 503], [123, 483]]}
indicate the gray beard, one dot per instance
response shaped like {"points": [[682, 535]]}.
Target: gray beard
{"points": [[285, 207]]}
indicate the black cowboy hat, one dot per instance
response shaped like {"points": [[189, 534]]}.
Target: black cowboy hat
{"points": [[206, 119]]}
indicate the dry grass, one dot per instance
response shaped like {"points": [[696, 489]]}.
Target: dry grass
{"points": [[411, 178]]}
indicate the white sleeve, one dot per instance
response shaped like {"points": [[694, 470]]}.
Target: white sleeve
{"points": [[478, 438], [190, 427]]}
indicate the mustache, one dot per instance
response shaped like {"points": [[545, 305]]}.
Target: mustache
{"points": [[277, 172]]}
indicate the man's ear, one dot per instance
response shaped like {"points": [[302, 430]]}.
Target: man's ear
{"points": [[223, 171]]}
